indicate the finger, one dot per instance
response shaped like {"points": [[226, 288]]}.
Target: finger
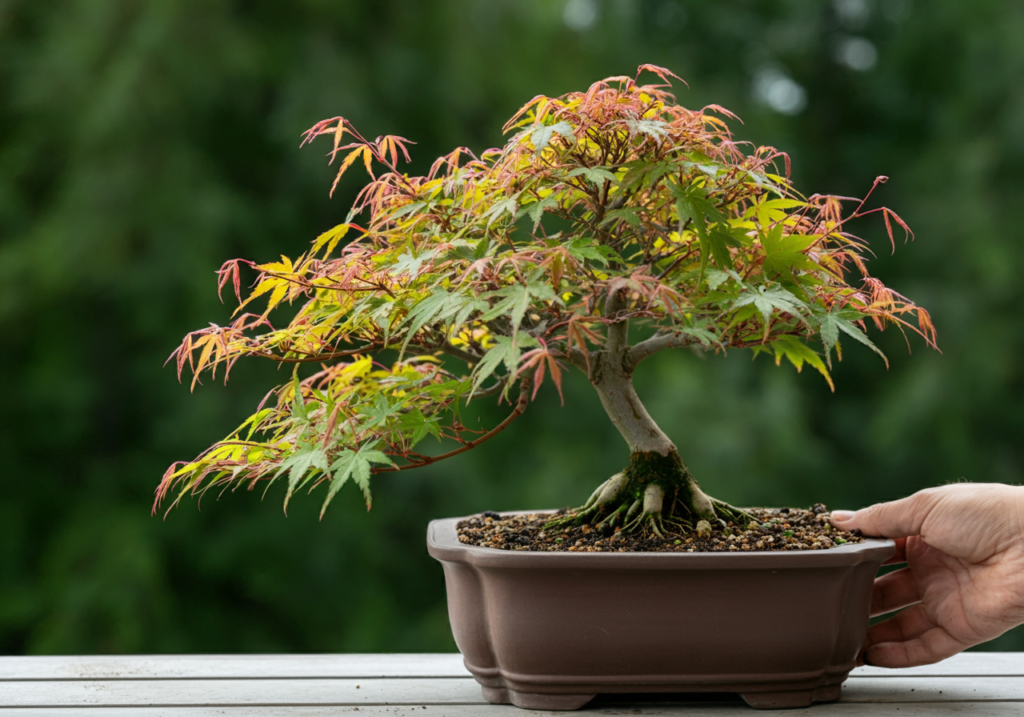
{"points": [[896, 519], [896, 590], [900, 556], [902, 627], [934, 645]]}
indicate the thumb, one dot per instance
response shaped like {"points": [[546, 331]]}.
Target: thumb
{"points": [[895, 519]]}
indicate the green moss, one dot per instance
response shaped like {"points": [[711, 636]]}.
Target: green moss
{"points": [[648, 467]]}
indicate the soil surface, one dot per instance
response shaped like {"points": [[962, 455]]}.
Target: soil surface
{"points": [[776, 529]]}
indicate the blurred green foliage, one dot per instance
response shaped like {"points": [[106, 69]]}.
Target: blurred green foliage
{"points": [[142, 144]]}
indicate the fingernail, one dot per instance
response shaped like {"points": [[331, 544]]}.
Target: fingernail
{"points": [[841, 515]]}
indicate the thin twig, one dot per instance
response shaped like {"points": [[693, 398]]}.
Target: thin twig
{"points": [[517, 411]]}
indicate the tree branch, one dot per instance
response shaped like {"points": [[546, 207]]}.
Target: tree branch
{"points": [[653, 345], [617, 343], [579, 359], [682, 255], [517, 411], [489, 391], [316, 358], [459, 353]]}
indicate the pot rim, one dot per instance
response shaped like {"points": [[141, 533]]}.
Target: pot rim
{"points": [[443, 544]]}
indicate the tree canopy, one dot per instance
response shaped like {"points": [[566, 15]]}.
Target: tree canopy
{"points": [[610, 205]]}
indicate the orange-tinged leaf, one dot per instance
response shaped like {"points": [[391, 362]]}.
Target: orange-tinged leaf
{"points": [[387, 148], [556, 376], [185, 353], [661, 72], [538, 379], [339, 132], [229, 270], [346, 163], [538, 100], [208, 344]]}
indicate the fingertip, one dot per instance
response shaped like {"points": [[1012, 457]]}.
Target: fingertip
{"points": [[841, 516], [896, 655], [877, 655]]}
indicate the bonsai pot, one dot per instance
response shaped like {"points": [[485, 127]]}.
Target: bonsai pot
{"points": [[550, 630]]}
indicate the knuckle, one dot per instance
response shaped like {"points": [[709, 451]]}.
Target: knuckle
{"points": [[931, 494]]}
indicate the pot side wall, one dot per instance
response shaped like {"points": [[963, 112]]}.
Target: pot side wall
{"points": [[562, 623]]}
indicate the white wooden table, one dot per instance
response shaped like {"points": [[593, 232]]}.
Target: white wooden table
{"points": [[319, 685]]}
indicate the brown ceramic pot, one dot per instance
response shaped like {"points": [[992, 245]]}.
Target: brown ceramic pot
{"points": [[551, 630]]}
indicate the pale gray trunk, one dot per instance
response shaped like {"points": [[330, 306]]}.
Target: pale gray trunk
{"points": [[625, 410], [611, 373]]}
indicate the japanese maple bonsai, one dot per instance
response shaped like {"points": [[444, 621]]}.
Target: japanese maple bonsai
{"points": [[613, 224]]}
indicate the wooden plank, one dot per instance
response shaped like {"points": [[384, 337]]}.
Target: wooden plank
{"points": [[935, 689], [134, 667], [114, 667], [966, 663], [297, 692], [682, 709], [697, 710], [308, 686], [422, 691]]}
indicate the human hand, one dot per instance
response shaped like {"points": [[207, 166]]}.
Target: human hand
{"points": [[964, 580]]}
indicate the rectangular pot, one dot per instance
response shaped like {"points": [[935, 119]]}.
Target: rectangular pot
{"points": [[550, 630]]}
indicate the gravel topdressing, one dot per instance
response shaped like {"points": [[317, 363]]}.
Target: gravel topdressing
{"points": [[778, 529]]}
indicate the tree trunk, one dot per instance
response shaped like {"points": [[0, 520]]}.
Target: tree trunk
{"points": [[656, 479], [626, 411]]}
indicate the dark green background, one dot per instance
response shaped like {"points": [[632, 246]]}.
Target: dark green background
{"points": [[143, 143]]}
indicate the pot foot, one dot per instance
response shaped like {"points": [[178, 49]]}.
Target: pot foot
{"points": [[828, 693], [779, 700], [538, 701], [496, 695]]}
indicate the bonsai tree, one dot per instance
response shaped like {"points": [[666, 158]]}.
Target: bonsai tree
{"points": [[613, 224]]}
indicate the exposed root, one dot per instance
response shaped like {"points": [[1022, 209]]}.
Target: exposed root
{"points": [[648, 522], [654, 499], [614, 516], [731, 514], [593, 496], [633, 509], [607, 495], [655, 494], [652, 513], [650, 519]]}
